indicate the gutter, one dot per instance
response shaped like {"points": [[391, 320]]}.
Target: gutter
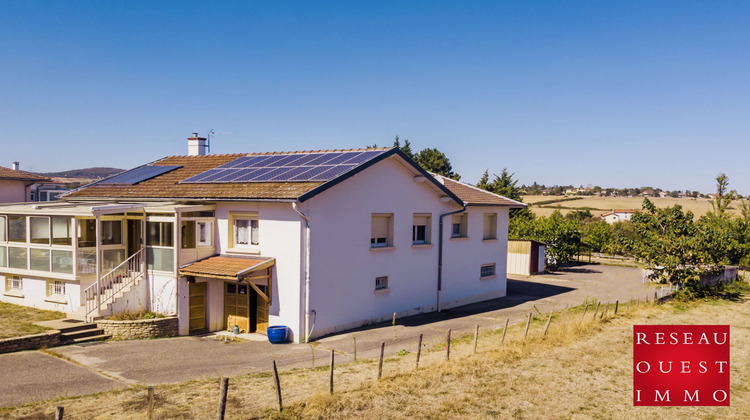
{"points": [[440, 254], [306, 245]]}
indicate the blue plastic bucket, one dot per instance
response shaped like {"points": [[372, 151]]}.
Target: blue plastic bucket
{"points": [[277, 333]]}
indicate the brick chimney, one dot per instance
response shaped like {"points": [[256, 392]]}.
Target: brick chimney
{"points": [[15, 166], [197, 145]]}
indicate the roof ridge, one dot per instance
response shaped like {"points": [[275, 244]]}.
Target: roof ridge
{"points": [[291, 152]]}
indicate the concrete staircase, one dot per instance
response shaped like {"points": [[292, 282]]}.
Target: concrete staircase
{"points": [[73, 331]]}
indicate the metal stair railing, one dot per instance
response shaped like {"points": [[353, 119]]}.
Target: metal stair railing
{"points": [[120, 277]]}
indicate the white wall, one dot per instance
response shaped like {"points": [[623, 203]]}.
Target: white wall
{"points": [[34, 294], [519, 263], [463, 258], [280, 236], [344, 267]]}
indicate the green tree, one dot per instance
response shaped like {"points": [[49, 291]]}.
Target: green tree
{"points": [[437, 162], [724, 197], [561, 235], [406, 148], [484, 181], [667, 242]]}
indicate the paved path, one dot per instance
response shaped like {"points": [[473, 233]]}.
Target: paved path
{"points": [[34, 376]]}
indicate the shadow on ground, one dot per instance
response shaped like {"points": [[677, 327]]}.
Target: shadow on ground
{"points": [[519, 292]]}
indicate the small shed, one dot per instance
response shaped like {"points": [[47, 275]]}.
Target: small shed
{"points": [[526, 256]]}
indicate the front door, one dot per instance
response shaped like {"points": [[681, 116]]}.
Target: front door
{"points": [[237, 305], [134, 236], [197, 307]]}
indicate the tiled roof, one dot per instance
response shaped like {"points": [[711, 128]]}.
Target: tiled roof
{"points": [[168, 186], [224, 267], [474, 196], [7, 173]]}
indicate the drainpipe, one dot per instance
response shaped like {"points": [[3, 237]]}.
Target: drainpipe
{"points": [[307, 271], [440, 254], [98, 239]]}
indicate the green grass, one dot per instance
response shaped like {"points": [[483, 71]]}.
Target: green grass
{"points": [[19, 320]]}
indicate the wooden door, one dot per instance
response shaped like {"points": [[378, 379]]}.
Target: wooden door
{"points": [[534, 263], [236, 303], [261, 312], [197, 307]]}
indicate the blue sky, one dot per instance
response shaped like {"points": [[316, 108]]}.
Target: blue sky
{"points": [[577, 92]]}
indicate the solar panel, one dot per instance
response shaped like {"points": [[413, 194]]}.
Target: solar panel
{"points": [[137, 175], [285, 167]]}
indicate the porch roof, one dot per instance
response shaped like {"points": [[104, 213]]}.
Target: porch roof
{"points": [[226, 267], [93, 208]]}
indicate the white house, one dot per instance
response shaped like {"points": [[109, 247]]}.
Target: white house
{"points": [[615, 216], [319, 241]]}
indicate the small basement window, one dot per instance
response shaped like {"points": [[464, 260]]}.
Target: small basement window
{"points": [[487, 270], [381, 283]]}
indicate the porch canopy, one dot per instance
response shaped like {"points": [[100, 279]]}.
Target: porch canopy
{"points": [[255, 270]]}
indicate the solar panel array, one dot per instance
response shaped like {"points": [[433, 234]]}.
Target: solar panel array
{"points": [[138, 174], [286, 167]]}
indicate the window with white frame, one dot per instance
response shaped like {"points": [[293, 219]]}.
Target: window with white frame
{"points": [[159, 246], [420, 230], [13, 284], [246, 231], [204, 233], [490, 226], [487, 270], [2, 229], [381, 232], [56, 288], [381, 283], [458, 225], [196, 233], [111, 232]]}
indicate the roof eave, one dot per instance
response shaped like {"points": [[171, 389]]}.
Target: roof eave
{"points": [[394, 151]]}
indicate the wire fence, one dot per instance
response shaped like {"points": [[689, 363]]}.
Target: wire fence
{"points": [[341, 369]]}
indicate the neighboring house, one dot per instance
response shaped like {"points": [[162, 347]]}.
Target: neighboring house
{"points": [[615, 216], [16, 185], [526, 257], [318, 241], [47, 191]]}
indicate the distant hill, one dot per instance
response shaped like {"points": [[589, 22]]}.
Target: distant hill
{"points": [[88, 173]]}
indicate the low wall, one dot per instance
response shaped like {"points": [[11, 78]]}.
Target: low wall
{"points": [[30, 342], [141, 328]]}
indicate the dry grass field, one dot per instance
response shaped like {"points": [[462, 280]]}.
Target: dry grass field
{"points": [[580, 371], [599, 205], [19, 320]]}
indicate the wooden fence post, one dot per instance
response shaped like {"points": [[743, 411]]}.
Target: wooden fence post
{"points": [[150, 403], [617, 304], [597, 309], [419, 350], [502, 340], [380, 364], [355, 348], [222, 399], [332, 353], [59, 411], [448, 345], [476, 337], [546, 327], [278, 384], [585, 308], [528, 321]]}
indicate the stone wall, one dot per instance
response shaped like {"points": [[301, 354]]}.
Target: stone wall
{"points": [[141, 328], [30, 342]]}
